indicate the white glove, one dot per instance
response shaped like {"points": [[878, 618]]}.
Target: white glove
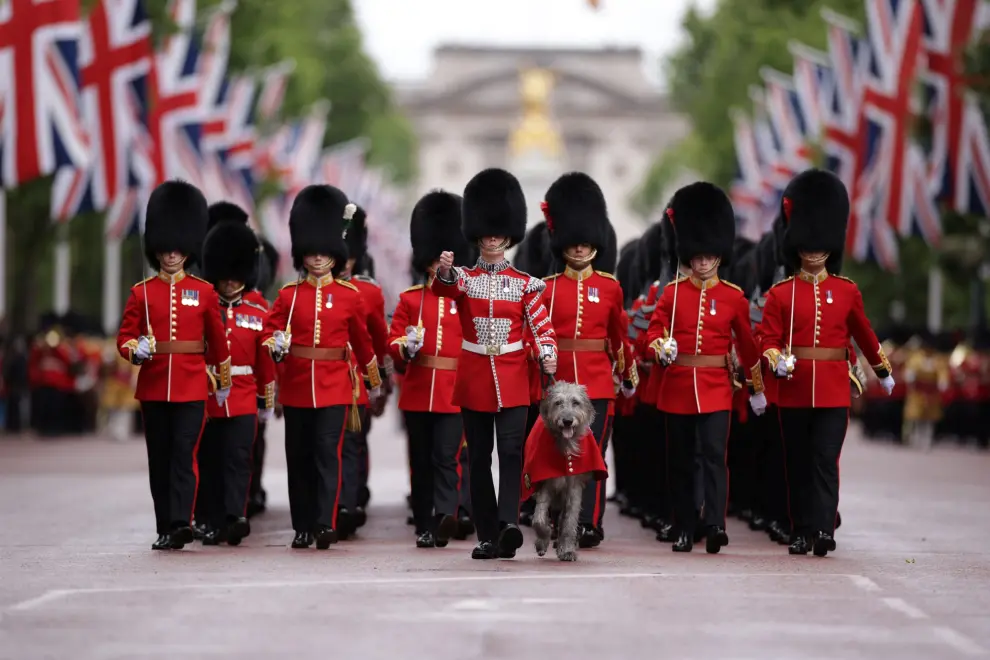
{"points": [[668, 351], [265, 415], [785, 365], [888, 384], [627, 389], [282, 342], [222, 395], [375, 393], [413, 342], [143, 351], [758, 402]]}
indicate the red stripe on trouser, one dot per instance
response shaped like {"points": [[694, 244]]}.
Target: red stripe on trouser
{"points": [[247, 495], [340, 470], [195, 463], [460, 469]]}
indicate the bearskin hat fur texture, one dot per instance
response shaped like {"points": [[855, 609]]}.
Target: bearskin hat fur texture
{"points": [[435, 227], [231, 252], [357, 236], [176, 220], [815, 208], [226, 212], [576, 213], [625, 271], [267, 265], [494, 205], [533, 256], [703, 221], [317, 223]]}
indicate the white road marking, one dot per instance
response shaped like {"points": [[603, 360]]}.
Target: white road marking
{"points": [[57, 594], [864, 583], [958, 641], [899, 605]]}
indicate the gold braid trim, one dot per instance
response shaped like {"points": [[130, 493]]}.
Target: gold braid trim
{"points": [[223, 370], [855, 381], [270, 395], [756, 378], [883, 369], [773, 355], [353, 423], [212, 386], [131, 345], [657, 349], [374, 377], [270, 343]]}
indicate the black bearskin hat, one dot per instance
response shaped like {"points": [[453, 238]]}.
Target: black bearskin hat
{"points": [[608, 256], [576, 213], [625, 271], [494, 205], [357, 237], [533, 256], [176, 220], [319, 216], [703, 220], [815, 208], [230, 252], [435, 227], [226, 212]]}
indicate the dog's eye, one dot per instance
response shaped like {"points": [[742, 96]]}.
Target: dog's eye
{"points": [[575, 403]]}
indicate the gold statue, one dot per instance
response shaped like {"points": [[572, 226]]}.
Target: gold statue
{"points": [[536, 131]]}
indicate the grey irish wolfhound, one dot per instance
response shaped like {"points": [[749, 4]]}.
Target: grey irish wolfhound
{"points": [[567, 414]]}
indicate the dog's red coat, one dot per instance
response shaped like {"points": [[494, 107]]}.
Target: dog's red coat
{"points": [[542, 461]]}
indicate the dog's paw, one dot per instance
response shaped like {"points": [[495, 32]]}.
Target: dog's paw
{"points": [[570, 555], [541, 546]]}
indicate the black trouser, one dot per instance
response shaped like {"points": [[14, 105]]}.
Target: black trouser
{"points": [[350, 464], [593, 499], [650, 436], [482, 430], [435, 440], [529, 505], [813, 440], [463, 476], [50, 411], [313, 440], [258, 459], [171, 433], [687, 436], [364, 459], [771, 489], [742, 452], [225, 469]]}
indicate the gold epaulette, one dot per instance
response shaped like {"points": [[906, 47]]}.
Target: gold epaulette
{"points": [[254, 304], [731, 285], [677, 281], [147, 279], [365, 278], [286, 286], [346, 284], [550, 277], [197, 277], [840, 277], [786, 279], [415, 287], [604, 274]]}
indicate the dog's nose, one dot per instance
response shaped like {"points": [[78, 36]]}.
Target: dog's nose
{"points": [[567, 422]]}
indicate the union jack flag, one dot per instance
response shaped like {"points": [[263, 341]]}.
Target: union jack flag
{"points": [[749, 199], [788, 118], [115, 60], [41, 126], [214, 103]]}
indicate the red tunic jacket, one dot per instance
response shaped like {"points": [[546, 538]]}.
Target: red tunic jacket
{"points": [[327, 315], [708, 314], [182, 308], [586, 309], [52, 366], [495, 302], [251, 367], [374, 305], [543, 461], [428, 384], [827, 311], [255, 296]]}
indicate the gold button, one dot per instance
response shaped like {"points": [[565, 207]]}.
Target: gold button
{"points": [[229, 330], [174, 315]]}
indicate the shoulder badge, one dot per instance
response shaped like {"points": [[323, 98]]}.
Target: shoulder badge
{"points": [[200, 279], [845, 279], [677, 281], [786, 279], [255, 305], [290, 284], [347, 284], [733, 286], [607, 275], [365, 278], [415, 287], [147, 279]]}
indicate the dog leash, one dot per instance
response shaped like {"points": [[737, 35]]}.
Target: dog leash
{"points": [[547, 380]]}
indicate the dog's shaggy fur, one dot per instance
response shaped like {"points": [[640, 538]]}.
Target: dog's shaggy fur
{"points": [[568, 415]]}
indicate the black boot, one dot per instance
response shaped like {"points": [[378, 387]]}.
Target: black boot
{"points": [[666, 534], [446, 528], [758, 523], [716, 539], [302, 540], [211, 536], [180, 536], [163, 543], [237, 530], [778, 533], [510, 539], [587, 538], [485, 550], [324, 536], [426, 540], [345, 524], [465, 527], [360, 516], [824, 543], [684, 542], [798, 546]]}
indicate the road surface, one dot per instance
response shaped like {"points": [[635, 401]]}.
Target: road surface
{"points": [[910, 578]]}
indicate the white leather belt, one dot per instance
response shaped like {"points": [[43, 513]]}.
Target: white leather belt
{"points": [[235, 371], [492, 349]]}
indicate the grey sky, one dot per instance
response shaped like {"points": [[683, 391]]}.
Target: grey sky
{"points": [[401, 34]]}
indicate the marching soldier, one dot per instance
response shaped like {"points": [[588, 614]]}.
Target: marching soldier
{"points": [[354, 453], [267, 268], [807, 323], [495, 303], [173, 382], [702, 314], [230, 261], [314, 325], [588, 318], [426, 339], [51, 370]]}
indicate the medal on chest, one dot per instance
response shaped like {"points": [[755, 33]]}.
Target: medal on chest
{"points": [[711, 308], [593, 294], [190, 298], [453, 307], [505, 284], [329, 303], [828, 296]]}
